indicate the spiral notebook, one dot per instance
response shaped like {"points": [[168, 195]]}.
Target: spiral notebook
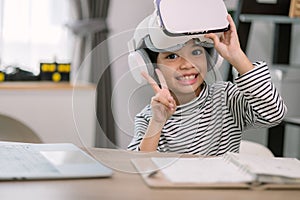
{"points": [[229, 171]]}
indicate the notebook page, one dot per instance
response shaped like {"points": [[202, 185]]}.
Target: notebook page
{"points": [[279, 166], [201, 170]]}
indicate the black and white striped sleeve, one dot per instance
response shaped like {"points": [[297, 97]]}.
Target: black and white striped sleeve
{"points": [[254, 100], [141, 124]]}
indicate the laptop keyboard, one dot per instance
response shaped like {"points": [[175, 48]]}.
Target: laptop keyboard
{"points": [[16, 159]]}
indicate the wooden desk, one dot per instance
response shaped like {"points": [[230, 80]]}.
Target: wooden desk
{"points": [[125, 184]]}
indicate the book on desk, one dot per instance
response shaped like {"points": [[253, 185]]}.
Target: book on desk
{"points": [[231, 170]]}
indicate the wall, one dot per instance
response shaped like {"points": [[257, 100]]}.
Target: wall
{"points": [[129, 97]]}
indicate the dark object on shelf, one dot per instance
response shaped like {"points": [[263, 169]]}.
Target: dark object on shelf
{"points": [[13, 73], [56, 72]]}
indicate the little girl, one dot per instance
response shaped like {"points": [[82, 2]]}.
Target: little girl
{"points": [[188, 115]]}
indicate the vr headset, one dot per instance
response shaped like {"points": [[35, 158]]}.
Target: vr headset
{"points": [[172, 24]]}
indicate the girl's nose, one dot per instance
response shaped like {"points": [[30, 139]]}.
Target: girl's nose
{"points": [[185, 64]]}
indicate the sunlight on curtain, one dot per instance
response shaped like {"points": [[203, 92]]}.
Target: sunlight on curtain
{"points": [[34, 31]]}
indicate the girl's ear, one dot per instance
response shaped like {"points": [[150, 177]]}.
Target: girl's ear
{"points": [[139, 61]]}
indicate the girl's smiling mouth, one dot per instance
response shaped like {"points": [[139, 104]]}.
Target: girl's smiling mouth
{"points": [[187, 79]]}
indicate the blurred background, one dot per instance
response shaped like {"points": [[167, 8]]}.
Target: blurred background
{"points": [[96, 96]]}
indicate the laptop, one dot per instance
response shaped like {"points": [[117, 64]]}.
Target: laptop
{"points": [[28, 161]]}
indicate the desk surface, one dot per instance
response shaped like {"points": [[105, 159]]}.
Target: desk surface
{"points": [[125, 184]]}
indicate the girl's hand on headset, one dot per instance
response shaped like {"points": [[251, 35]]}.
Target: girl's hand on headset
{"points": [[163, 104], [228, 46]]}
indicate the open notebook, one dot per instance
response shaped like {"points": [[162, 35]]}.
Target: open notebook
{"points": [[230, 170], [26, 161]]}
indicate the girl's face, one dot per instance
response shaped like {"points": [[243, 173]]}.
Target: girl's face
{"points": [[185, 69]]}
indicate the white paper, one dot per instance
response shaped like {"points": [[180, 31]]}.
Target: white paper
{"points": [[201, 170], [278, 166]]}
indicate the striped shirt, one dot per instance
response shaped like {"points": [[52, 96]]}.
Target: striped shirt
{"points": [[212, 123]]}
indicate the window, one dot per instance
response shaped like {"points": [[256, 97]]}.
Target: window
{"points": [[34, 31]]}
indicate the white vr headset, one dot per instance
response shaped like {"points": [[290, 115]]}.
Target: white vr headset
{"points": [[172, 24]]}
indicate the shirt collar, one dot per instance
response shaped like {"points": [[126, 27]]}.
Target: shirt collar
{"points": [[194, 104]]}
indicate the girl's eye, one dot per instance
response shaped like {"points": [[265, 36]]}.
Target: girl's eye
{"points": [[197, 52], [172, 56]]}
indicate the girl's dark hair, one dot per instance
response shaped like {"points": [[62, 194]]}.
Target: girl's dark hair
{"points": [[152, 55], [153, 59]]}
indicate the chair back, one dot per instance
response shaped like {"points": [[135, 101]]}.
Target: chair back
{"points": [[253, 148]]}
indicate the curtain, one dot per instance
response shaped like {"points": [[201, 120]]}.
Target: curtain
{"points": [[91, 28]]}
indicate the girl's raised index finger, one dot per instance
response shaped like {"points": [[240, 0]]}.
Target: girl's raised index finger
{"points": [[151, 81], [161, 79]]}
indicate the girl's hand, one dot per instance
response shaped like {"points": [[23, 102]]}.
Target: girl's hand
{"points": [[162, 104], [228, 46]]}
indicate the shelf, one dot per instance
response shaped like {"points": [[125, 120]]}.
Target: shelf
{"points": [[43, 85], [279, 19], [55, 112], [292, 120]]}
